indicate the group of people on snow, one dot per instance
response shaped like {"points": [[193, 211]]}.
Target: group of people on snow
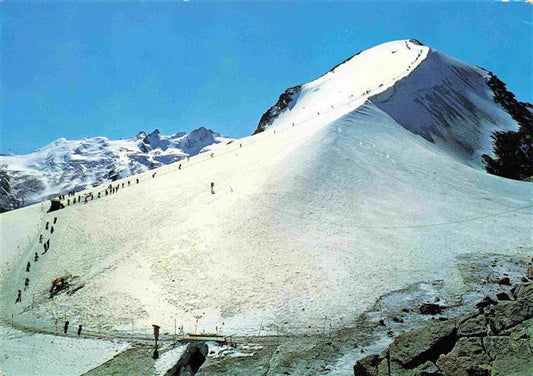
{"points": [[46, 247]]}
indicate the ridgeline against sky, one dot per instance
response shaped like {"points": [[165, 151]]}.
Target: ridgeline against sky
{"points": [[106, 69]]}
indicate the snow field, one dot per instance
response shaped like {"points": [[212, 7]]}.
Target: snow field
{"points": [[23, 354], [307, 221]]}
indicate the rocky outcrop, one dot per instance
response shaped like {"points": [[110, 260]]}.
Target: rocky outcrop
{"points": [[285, 101], [513, 150], [8, 201], [494, 341], [190, 361]]}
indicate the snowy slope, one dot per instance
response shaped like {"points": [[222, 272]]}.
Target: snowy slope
{"points": [[315, 219], [66, 165], [364, 74], [24, 354]]}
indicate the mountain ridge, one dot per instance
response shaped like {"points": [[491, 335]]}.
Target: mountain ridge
{"points": [[446, 101], [66, 165]]}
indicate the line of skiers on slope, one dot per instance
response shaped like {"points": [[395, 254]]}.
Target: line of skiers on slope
{"points": [[46, 247], [69, 194], [114, 189], [90, 196]]}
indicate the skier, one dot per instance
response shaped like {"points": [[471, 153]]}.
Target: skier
{"points": [[51, 229], [19, 297], [153, 175], [65, 329], [46, 227], [128, 183], [179, 166], [68, 202], [55, 220], [28, 265], [26, 283], [99, 194], [212, 188], [36, 257], [79, 330], [137, 180], [41, 238], [122, 185]]}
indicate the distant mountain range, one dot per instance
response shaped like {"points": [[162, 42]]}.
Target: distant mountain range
{"points": [[66, 165]]}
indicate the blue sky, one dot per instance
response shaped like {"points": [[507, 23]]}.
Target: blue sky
{"points": [[76, 70]]}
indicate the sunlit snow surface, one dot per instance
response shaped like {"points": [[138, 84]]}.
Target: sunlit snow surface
{"points": [[309, 220], [23, 354]]}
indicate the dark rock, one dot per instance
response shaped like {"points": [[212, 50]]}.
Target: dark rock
{"points": [[60, 284], [515, 360], [473, 327], [190, 361], [495, 345], [286, 100], [451, 366], [504, 281], [470, 353], [502, 295], [523, 330], [8, 200], [428, 308], [368, 366], [511, 143], [420, 345], [507, 315], [397, 319], [427, 369], [383, 367], [485, 302]]}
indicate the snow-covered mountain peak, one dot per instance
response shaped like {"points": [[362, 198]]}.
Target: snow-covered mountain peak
{"points": [[442, 99], [365, 73]]}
